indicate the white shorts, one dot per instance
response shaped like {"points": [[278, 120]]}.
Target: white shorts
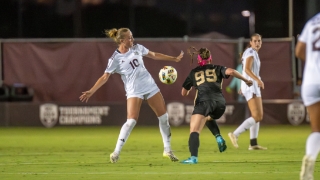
{"points": [[248, 95], [310, 94], [248, 92], [145, 96]]}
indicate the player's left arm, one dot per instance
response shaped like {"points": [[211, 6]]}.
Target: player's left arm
{"points": [[300, 50], [159, 56]]}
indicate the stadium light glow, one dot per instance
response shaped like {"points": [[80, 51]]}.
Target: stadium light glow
{"points": [[245, 13]]}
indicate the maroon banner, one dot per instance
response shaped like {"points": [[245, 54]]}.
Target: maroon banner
{"points": [[59, 72]]}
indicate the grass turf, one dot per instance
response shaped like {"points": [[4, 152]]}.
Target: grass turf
{"points": [[83, 153]]}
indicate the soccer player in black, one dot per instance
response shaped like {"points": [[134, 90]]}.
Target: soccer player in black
{"points": [[209, 101]]}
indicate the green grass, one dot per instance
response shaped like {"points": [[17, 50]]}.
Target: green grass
{"points": [[83, 153]]}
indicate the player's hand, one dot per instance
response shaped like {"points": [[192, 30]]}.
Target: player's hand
{"points": [[85, 96], [240, 92], [178, 58], [260, 84], [249, 83]]}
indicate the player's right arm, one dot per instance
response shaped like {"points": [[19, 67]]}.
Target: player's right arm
{"points": [[101, 81], [235, 73]]}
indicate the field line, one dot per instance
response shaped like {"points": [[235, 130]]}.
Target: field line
{"points": [[146, 173], [55, 162]]}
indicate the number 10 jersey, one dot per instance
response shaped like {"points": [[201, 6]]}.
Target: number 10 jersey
{"points": [[136, 78]]}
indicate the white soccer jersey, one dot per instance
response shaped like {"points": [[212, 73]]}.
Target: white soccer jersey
{"points": [[137, 80], [311, 36], [255, 69]]}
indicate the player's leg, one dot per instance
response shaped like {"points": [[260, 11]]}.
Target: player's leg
{"points": [[256, 109], [157, 104], [312, 144], [218, 110], [196, 124], [246, 123], [133, 109], [214, 128]]}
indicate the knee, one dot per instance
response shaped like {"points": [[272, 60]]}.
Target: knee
{"points": [[134, 116], [257, 118], [208, 118]]}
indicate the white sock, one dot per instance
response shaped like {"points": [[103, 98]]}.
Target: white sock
{"points": [[165, 131], [313, 145], [254, 130], [124, 134], [244, 126]]}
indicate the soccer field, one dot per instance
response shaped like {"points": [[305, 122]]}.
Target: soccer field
{"points": [[83, 153]]}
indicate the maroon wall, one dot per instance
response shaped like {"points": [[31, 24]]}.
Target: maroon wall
{"points": [[59, 72]]}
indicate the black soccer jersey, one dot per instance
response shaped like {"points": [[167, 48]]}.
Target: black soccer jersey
{"points": [[207, 81]]}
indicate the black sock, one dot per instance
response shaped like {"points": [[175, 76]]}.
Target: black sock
{"points": [[213, 127], [253, 142], [194, 143]]}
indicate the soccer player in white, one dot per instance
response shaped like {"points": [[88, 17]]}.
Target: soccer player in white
{"points": [[308, 49], [251, 68], [139, 85]]}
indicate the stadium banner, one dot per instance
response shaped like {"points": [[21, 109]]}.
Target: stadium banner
{"points": [[60, 71], [114, 114]]}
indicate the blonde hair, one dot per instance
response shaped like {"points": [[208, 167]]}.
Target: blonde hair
{"points": [[203, 52], [116, 34]]}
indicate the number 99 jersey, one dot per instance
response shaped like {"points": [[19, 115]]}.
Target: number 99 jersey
{"points": [[207, 81]]}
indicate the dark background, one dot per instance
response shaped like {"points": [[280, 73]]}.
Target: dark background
{"points": [[150, 18]]}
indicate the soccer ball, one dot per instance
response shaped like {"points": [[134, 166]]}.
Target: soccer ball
{"points": [[168, 75]]}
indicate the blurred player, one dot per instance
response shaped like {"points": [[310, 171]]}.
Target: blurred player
{"points": [[236, 84], [308, 49], [251, 68], [139, 85], [209, 100]]}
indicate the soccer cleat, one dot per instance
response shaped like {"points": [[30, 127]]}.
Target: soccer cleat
{"points": [[257, 147], [190, 160], [114, 157], [307, 168], [221, 143], [171, 156], [233, 139]]}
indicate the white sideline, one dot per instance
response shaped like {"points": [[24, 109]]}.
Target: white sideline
{"points": [[139, 173]]}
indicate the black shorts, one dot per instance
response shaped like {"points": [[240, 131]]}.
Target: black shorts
{"points": [[214, 109]]}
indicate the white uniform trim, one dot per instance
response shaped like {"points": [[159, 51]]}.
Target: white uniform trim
{"points": [[311, 76], [137, 80], [254, 89]]}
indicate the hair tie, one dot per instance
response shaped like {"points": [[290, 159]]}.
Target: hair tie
{"points": [[203, 62]]}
